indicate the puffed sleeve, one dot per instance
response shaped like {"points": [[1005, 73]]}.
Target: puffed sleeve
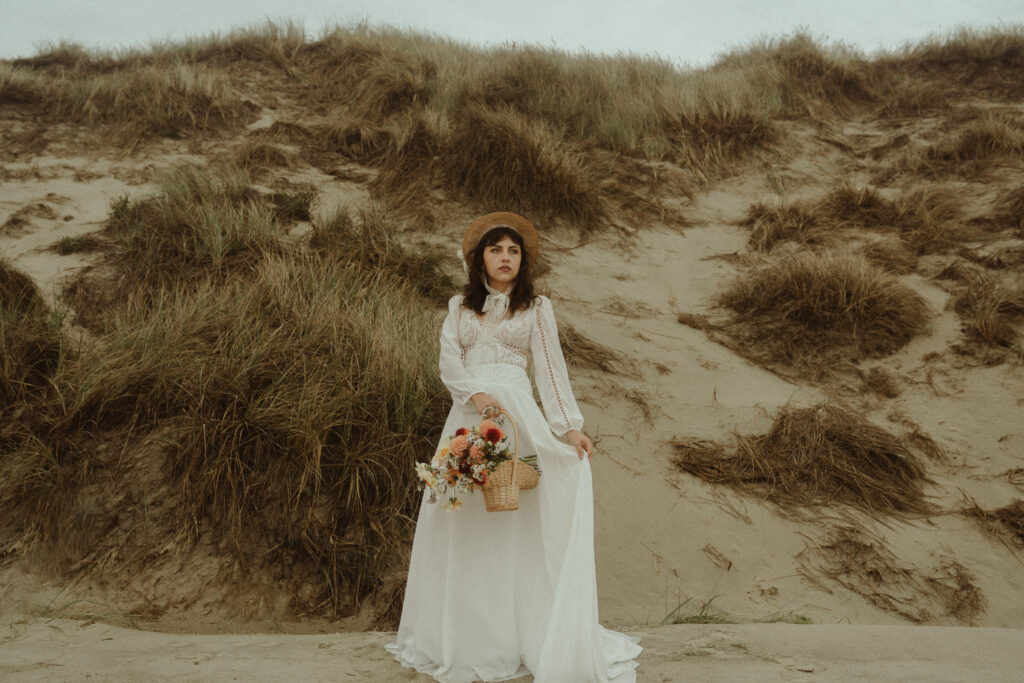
{"points": [[453, 370], [549, 371]]}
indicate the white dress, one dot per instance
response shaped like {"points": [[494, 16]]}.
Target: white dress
{"points": [[493, 596]]}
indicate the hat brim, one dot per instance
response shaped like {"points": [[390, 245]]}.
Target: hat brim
{"points": [[480, 227]]}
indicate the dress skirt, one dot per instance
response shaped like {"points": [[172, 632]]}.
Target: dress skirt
{"points": [[493, 596]]}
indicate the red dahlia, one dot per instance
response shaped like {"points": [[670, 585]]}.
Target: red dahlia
{"points": [[493, 435], [461, 431]]}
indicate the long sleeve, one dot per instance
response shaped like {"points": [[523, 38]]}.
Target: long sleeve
{"points": [[453, 370], [550, 372]]}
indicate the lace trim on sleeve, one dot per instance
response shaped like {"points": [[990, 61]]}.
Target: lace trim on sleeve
{"points": [[551, 373]]}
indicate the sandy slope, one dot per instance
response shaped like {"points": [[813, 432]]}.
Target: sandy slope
{"points": [[663, 539], [69, 650]]}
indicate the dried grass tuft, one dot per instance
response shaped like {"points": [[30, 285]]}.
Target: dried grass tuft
{"points": [[807, 305], [1015, 476], [890, 253], [288, 404], [882, 382], [410, 177], [850, 206], [971, 61], [261, 155], [926, 219], [770, 225], [295, 205], [136, 100], [867, 567], [373, 240], [77, 245], [1010, 209], [211, 221], [356, 140], [586, 353], [953, 585], [926, 444], [970, 153], [696, 321], [817, 456], [1006, 523], [501, 159], [30, 341], [389, 610], [991, 310]]}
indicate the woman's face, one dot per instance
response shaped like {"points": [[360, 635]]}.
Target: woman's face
{"points": [[501, 261]]}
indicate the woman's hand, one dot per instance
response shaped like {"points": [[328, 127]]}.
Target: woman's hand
{"points": [[581, 441], [482, 402]]}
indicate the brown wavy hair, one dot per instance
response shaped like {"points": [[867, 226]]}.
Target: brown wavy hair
{"points": [[475, 293]]}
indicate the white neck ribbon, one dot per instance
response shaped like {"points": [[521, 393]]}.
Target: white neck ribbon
{"points": [[496, 304]]}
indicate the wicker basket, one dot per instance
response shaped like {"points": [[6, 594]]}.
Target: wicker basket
{"points": [[501, 492]]}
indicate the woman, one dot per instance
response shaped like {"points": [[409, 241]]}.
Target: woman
{"points": [[493, 596]]}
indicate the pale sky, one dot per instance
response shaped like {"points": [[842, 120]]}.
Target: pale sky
{"points": [[686, 31]]}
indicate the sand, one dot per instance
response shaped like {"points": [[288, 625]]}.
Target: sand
{"points": [[63, 650], [666, 543]]}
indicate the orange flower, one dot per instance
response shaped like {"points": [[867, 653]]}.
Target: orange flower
{"points": [[458, 445], [476, 453], [487, 424]]}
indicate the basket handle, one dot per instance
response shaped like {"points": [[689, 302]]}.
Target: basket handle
{"points": [[489, 411]]}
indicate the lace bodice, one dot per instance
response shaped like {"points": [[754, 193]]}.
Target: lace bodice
{"points": [[485, 340], [469, 343]]}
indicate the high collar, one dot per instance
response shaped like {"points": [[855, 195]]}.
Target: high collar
{"points": [[496, 303], [492, 290]]}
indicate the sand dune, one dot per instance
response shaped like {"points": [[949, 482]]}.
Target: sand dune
{"points": [[896, 597]]}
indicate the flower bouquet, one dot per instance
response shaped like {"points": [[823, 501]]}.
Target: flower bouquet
{"points": [[478, 458]]}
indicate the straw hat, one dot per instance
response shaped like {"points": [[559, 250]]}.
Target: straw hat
{"points": [[507, 219]]}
